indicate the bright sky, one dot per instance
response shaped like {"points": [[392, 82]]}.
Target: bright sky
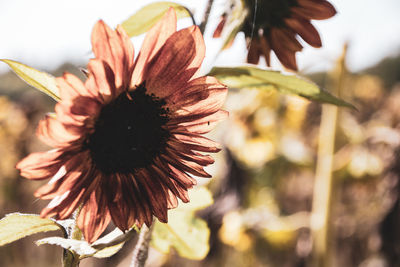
{"points": [[46, 33]]}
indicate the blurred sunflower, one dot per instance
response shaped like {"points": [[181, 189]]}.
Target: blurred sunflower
{"points": [[274, 25], [126, 140]]}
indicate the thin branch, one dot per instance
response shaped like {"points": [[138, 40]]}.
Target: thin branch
{"points": [[206, 15], [141, 250]]}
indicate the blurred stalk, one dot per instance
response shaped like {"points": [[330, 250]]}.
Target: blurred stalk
{"points": [[141, 250], [207, 12], [324, 187]]}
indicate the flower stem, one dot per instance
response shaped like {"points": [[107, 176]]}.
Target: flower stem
{"points": [[71, 259], [141, 250], [206, 16]]}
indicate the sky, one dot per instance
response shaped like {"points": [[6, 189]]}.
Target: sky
{"points": [[46, 33]]}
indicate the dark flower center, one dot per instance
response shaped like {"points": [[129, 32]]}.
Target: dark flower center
{"points": [[268, 14], [129, 132]]}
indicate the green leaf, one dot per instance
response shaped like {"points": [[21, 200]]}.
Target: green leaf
{"points": [[15, 226], [199, 198], [112, 242], [102, 248], [255, 78], [146, 17], [40, 80], [185, 232]]}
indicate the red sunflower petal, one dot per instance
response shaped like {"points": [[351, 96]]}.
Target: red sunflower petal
{"points": [[54, 133], [195, 142], [171, 69], [152, 43], [71, 87], [200, 125], [306, 30], [41, 165], [201, 95], [94, 216], [253, 56], [175, 182], [311, 9], [265, 48], [156, 194], [286, 53], [220, 27], [101, 79], [115, 48]]}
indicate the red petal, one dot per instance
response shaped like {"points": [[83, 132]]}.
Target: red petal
{"points": [[152, 43], [41, 165], [101, 79], [126, 202], [285, 54], [185, 165], [71, 87], [196, 142], [94, 216], [115, 48], [311, 9], [155, 193], [306, 30], [55, 134], [202, 95], [201, 125], [172, 68], [265, 49], [253, 56], [177, 183], [220, 27]]}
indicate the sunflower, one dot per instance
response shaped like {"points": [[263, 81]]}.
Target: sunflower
{"points": [[127, 140], [275, 24]]}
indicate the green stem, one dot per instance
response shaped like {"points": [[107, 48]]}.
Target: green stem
{"points": [[71, 259]]}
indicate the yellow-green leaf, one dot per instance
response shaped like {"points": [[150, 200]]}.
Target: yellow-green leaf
{"points": [[199, 198], [146, 17], [15, 226], [186, 233], [256, 78], [40, 80], [102, 248]]}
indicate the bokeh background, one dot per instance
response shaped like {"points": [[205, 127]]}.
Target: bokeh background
{"points": [[264, 180]]}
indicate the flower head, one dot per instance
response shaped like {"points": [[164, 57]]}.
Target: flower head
{"points": [[273, 25], [127, 140]]}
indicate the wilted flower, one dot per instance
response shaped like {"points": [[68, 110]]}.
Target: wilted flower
{"points": [[126, 140], [275, 24]]}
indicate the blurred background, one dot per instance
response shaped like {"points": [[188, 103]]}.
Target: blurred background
{"points": [[269, 183]]}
